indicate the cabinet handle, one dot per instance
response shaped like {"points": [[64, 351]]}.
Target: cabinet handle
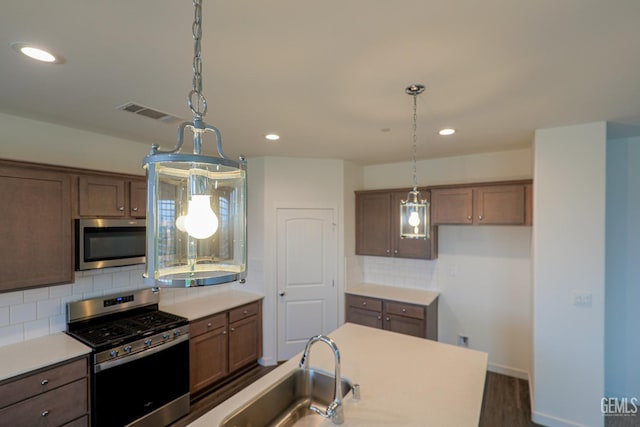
{"points": [[387, 319], [395, 251], [233, 329], [379, 317], [282, 293], [45, 413], [480, 217], [121, 208], [224, 332], [208, 325], [404, 310], [469, 217], [44, 382], [388, 251], [134, 209], [364, 303], [245, 312]]}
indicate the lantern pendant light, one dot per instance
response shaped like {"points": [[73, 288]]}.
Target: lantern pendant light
{"points": [[196, 204], [414, 212]]}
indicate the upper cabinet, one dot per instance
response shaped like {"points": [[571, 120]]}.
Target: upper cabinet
{"points": [[36, 244], [498, 204], [107, 196], [378, 227]]}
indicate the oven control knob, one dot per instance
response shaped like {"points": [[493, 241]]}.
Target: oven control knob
{"points": [[165, 336], [113, 353], [147, 342], [176, 333], [127, 349]]}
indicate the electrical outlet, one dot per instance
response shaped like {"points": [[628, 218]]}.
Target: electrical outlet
{"points": [[581, 299], [463, 341]]}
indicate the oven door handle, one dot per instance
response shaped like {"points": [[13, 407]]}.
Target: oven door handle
{"points": [[130, 358]]}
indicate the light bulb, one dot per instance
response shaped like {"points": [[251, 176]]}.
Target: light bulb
{"points": [[201, 222], [414, 219], [180, 223]]}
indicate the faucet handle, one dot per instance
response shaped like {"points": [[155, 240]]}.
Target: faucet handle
{"points": [[355, 391]]}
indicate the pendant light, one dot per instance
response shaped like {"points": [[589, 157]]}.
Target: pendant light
{"points": [[414, 212], [196, 204]]}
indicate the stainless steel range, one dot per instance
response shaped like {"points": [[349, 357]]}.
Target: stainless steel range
{"points": [[140, 369]]}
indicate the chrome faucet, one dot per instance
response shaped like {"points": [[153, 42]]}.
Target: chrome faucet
{"points": [[334, 411]]}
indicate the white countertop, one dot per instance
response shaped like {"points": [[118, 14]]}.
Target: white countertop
{"points": [[26, 356], [393, 293], [404, 381], [203, 306]]}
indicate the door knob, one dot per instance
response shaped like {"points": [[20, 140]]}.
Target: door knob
{"points": [[281, 293]]}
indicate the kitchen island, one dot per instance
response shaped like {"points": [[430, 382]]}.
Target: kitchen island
{"points": [[404, 381]]}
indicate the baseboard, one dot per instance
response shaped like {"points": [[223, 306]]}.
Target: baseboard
{"points": [[507, 370], [267, 361], [551, 421]]}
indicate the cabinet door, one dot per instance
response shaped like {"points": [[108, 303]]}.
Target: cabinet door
{"points": [[373, 218], [364, 317], [452, 206], [499, 204], [208, 359], [138, 199], [101, 196], [405, 325], [410, 248], [243, 342], [35, 230]]}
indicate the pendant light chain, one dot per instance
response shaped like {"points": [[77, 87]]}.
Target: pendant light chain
{"points": [[415, 139], [198, 105]]}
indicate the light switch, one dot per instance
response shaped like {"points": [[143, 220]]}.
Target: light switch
{"points": [[581, 299]]}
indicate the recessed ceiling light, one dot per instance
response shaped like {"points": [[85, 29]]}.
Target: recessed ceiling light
{"points": [[37, 53], [447, 131], [272, 137]]}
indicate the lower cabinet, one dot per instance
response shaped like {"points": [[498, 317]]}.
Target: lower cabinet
{"points": [[55, 396], [224, 343], [409, 319]]}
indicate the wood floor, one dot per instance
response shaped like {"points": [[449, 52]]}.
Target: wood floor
{"points": [[505, 404]]}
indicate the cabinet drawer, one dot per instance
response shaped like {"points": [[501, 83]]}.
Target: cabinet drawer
{"points": [[403, 309], [206, 324], [41, 382], [53, 408], [80, 422], [364, 303], [242, 312]]}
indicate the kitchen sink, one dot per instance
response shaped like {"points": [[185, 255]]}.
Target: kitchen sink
{"points": [[288, 401]]}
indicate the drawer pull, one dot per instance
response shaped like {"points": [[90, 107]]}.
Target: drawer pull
{"points": [[121, 208], [233, 329], [404, 310], [44, 382], [364, 303], [480, 217], [45, 413], [387, 319], [224, 332], [469, 217], [209, 325], [134, 209], [245, 312], [379, 317]]}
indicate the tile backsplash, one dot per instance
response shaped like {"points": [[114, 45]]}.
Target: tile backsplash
{"points": [[400, 272], [42, 311]]}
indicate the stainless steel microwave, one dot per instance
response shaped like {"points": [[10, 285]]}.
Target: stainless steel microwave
{"points": [[104, 243]]}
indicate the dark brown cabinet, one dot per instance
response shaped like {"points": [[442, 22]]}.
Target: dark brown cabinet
{"points": [[224, 343], [107, 196], [409, 319], [35, 232], [503, 204], [378, 227], [54, 396]]}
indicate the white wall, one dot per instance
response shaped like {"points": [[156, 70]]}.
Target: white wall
{"points": [[41, 142], [622, 313], [568, 254], [483, 272]]}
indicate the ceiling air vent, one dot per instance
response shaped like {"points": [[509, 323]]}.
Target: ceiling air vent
{"points": [[141, 110]]}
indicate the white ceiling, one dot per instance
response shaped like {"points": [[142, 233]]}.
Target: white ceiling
{"points": [[329, 76]]}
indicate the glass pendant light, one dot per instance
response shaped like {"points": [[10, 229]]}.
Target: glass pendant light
{"points": [[196, 204], [414, 212]]}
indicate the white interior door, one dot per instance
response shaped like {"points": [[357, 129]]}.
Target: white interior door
{"points": [[307, 248]]}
